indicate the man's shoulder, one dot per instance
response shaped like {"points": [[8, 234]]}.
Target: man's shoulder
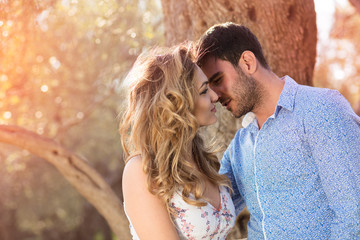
{"points": [[321, 103], [315, 92], [315, 97]]}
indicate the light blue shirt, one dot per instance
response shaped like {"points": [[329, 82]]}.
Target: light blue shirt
{"points": [[299, 175]]}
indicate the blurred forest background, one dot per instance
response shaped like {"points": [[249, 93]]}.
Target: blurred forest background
{"points": [[62, 63]]}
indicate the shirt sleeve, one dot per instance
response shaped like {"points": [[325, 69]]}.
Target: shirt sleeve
{"points": [[227, 169], [333, 131]]}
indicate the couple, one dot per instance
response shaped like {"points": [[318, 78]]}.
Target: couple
{"points": [[295, 165]]}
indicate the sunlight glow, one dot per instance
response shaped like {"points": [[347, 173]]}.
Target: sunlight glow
{"points": [[3, 78], [38, 114], [100, 22], [65, 3], [337, 71], [324, 17], [44, 88], [80, 115], [41, 20], [55, 63], [13, 100], [40, 130], [72, 11], [7, 115]]}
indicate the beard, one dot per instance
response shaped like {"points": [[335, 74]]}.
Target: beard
{"points": [[246, 94]]}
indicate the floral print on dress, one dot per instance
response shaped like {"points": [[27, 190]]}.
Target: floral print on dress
{"points": [[204, 222]]}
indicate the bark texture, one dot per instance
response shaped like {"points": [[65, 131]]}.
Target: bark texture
{"points": [[285, 28], [77, 171]]}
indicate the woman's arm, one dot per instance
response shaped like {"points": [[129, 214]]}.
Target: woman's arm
{"points": [[147, 212]]}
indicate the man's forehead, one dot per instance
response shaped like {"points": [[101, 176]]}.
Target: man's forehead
{"points": [[210, 66]]}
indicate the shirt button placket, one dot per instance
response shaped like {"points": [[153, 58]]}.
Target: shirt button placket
{"points": [[257, 138]]}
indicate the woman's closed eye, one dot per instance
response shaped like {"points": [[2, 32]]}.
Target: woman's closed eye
{"points": [[204, 91]]}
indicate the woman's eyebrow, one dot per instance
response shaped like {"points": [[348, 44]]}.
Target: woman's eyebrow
{"points": [[204, 83]]}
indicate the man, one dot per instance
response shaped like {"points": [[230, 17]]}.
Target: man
{"points": [[296, 162]]}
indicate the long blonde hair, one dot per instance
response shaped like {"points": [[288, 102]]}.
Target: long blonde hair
{"points": [[159, 125]]}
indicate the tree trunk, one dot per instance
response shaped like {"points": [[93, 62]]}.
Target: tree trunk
{"points": [[285, 28], [77, 171]]}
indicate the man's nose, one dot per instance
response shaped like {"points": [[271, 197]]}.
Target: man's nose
{"points": [[216, 90], [213, 95]]}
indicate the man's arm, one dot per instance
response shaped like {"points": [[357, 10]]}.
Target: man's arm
{"points": [[333, 131]]}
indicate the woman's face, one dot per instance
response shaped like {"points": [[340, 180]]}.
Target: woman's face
{"points": [[205, 102]]}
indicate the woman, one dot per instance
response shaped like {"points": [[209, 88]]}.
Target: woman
{"points": [[171, 185]]}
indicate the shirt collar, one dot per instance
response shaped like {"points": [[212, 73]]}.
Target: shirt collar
{"points": [[286, 100], [287, 96], [248, 119]]}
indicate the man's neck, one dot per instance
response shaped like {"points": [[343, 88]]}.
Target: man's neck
{"points": [[272, 87]]}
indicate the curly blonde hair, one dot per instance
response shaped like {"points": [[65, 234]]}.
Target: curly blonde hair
{"points": [[159, 125]]}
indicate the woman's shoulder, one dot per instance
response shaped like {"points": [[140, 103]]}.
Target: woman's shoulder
{"points": [[134, 162], [133, 170]]}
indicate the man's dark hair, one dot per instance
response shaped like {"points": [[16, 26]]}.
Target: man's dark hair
{"points": [[227, 41]]}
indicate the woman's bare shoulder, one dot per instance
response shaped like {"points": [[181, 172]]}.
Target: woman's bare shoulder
{"points": [[133, 169]]}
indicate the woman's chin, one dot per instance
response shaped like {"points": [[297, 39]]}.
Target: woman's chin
{"points": [[211, 121]]}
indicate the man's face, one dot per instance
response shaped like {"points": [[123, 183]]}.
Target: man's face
{"points": [[237, 92]]}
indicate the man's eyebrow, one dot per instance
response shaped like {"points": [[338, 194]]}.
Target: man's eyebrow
{"points": [[214, 77]]}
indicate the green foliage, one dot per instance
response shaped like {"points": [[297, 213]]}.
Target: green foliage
{"points": [[61, 65]]}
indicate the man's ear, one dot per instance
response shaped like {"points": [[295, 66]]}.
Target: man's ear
{"points": [[248, 62]]}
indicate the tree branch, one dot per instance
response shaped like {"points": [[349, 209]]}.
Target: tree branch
{"points": [[77, 171]]}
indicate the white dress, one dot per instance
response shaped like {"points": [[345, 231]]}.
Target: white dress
{"points": [[205, 222]]}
